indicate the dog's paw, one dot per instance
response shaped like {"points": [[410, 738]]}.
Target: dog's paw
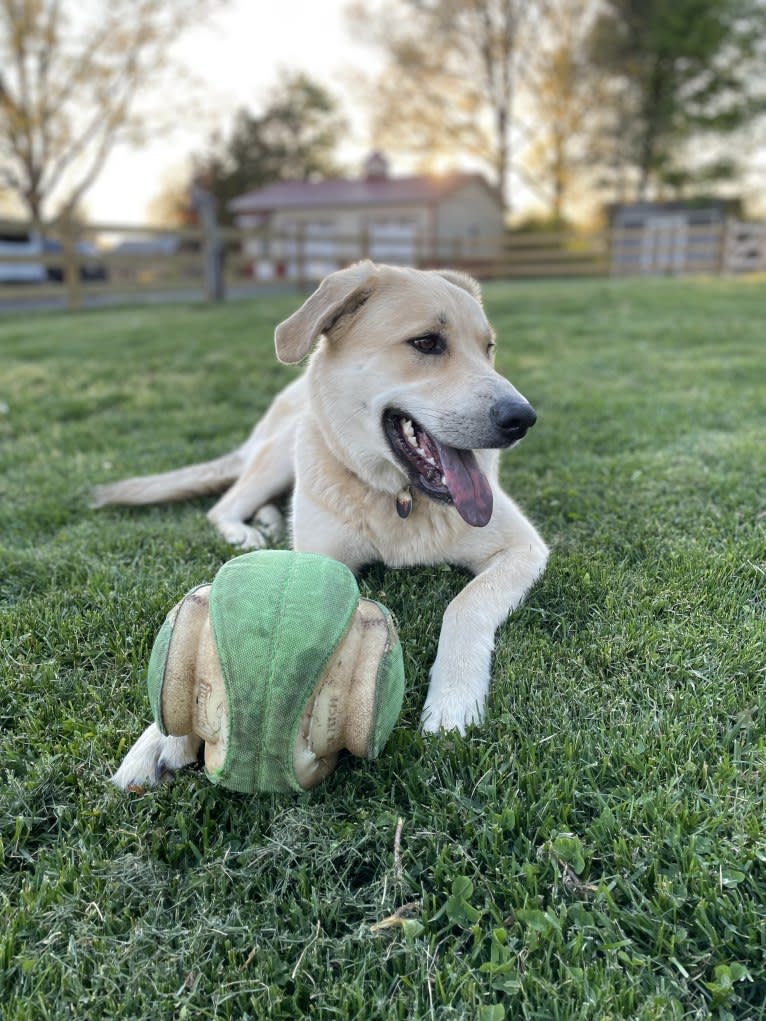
{"points": [[270, 522], [449, 713], [155, 759], [267, 528], [242, 536], [456, 693]]}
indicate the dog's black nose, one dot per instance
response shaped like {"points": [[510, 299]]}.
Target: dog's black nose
{"points": [[513, 416]]}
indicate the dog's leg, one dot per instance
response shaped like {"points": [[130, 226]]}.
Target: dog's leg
{"points": [[460, 674], [268, 475], [154, 758]]}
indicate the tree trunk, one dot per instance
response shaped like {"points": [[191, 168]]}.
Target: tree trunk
{"points": [[503, 158], [34, 203]]}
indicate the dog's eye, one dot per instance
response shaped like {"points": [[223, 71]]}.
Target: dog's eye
{"points": [[491, 348], [429, 344]]}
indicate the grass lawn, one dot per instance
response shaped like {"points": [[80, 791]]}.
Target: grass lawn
{"points": [[596, 850]]}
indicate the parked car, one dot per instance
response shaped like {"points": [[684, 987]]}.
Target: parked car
{"points": [[92, 269], [15, 245]]}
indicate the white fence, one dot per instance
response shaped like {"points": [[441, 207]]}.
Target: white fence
{"points": [[669, 245], [71, 261]]}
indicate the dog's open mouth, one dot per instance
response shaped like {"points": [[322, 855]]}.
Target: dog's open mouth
{"points": [[440, 471]]}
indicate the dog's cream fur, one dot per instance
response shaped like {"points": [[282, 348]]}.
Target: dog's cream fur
{"points": [[323, 437]]}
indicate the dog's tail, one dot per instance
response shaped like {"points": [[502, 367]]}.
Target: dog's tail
{"points": [[182, 484]]}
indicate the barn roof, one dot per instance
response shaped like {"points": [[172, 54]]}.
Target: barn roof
{"points": [[366, 191]]}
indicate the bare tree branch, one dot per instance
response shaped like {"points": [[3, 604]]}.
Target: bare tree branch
{"points": [[458, 66], [71, 76]]}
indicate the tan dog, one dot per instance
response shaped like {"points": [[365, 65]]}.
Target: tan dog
{"points": [[390, 443]]}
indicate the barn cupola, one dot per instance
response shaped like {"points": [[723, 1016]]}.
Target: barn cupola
{"points": [[376, 166]]}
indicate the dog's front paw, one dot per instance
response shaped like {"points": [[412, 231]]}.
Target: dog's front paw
{"points": [[452, 712], [456, 694], [154, 759]]}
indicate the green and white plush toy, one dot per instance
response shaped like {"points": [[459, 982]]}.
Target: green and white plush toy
{"points": [[277, 666]]}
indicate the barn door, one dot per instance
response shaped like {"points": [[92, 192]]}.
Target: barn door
{"points": [[393, 241], [663, 245]]}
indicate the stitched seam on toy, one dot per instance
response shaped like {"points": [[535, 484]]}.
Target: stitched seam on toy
{"points": [[177, 607], [270, 689], [373, 744], [384, 666], [226, 651], [294, 731], [324, 680]]}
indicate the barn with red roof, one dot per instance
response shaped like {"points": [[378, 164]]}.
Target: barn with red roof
{"points": [[310, 228]]}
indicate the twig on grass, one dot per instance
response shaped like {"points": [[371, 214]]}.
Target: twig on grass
{"points": [[398, 849], [399, 917], [310, 943]]}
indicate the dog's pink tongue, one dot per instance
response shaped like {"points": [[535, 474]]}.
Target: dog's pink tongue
{"points": [[468, 486]]}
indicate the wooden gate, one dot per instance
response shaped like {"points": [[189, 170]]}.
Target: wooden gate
{"points": [[745, 247]]}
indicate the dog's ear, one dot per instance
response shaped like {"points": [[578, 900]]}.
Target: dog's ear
{"points": [[462, 280], [340, 294]]}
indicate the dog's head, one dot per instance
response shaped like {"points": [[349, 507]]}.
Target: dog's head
{"points": [[403, 381]]}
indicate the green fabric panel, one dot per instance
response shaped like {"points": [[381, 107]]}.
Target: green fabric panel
{"points": [[155, 676], [276, 616], [389, 691]]}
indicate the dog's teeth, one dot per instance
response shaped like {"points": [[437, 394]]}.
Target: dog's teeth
{"points": [[444, 481]]}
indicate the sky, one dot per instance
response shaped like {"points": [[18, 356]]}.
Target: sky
{"points": [[237, 58]]}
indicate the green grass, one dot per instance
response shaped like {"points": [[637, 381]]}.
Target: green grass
{"points": [[596, 850]]}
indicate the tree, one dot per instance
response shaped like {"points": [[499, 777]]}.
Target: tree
{"points": [[561, 91], [681, 72], [171, 205], [70, 79], [455, 69], [296, 137]]}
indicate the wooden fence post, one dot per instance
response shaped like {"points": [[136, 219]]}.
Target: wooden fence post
{"points": [[300, 256], [204, 203], [723, 247], [71, 262]]}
